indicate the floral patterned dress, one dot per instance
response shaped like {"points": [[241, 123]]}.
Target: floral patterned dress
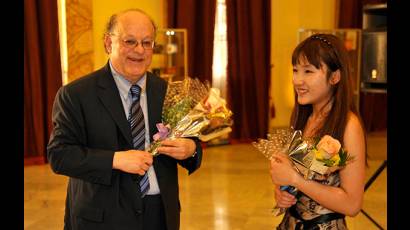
{"points": [[309, 209]]}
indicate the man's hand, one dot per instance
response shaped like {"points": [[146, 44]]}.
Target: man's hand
{"points": [[132, 161], [179, 148]]}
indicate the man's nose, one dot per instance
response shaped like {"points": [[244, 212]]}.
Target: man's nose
{"points": [[138, 48]]}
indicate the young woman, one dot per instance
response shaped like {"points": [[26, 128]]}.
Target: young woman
{"points": [[324, 105]]}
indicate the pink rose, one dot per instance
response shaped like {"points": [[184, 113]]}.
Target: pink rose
{"points": [[329, 145]]}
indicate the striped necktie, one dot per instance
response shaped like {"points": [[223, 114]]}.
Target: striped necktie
{"points": [[136, 120]]}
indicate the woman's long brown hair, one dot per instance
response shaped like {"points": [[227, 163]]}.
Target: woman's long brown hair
{"points": [[327, 49]]}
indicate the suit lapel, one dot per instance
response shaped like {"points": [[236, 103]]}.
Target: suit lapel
{"points": [[110, 97]]}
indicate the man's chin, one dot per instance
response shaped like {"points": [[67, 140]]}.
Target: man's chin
{"points": [[136, 72]]}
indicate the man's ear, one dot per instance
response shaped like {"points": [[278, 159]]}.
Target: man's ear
{"points": [[335, 78], [107, 43]]}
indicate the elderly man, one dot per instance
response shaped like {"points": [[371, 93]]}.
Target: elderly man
{"points": [[103, 123]]}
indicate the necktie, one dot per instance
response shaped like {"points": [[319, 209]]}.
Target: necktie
{"points": [[136, 120]]}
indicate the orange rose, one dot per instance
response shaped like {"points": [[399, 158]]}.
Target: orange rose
{"points": [[329, 146]]}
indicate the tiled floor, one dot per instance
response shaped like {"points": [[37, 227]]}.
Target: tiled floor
{"points": [[232, 190]]}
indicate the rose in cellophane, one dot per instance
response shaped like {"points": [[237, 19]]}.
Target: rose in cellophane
{"points": [[192, 109], [312, 159], [329, 156]]}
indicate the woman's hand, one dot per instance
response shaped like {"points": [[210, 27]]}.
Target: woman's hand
{"points": [[282, 171], [283, 198]]}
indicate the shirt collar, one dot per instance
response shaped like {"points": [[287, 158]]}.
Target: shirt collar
{"points": [[124, 85]]}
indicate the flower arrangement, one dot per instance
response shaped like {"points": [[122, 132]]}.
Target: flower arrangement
{"points": [[192, 109], [311, 158], [329, 156]]}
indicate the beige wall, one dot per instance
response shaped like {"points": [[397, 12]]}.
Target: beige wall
{"points": [[103, 9], [287, 18]]}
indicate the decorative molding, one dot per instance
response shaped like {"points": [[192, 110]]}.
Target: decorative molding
{"points": [[79, 38]]}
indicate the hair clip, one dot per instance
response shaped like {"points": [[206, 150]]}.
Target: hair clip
{"points": [[323, 40]]}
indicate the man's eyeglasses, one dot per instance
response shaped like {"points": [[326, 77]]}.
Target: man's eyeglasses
{"points": [[132, 43]]}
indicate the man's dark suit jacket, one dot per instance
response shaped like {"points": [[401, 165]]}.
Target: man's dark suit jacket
{"points": [[89, 126]]}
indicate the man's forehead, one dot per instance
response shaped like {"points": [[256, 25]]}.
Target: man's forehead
{"points": [[132, 19]]}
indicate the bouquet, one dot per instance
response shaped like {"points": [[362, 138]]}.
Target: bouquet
{"points": [[329, 156], [192, 109], [311, 158]]}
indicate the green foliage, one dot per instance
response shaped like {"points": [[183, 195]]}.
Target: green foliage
{"points": [[344, 157], [175, 113], [328, 162]]}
